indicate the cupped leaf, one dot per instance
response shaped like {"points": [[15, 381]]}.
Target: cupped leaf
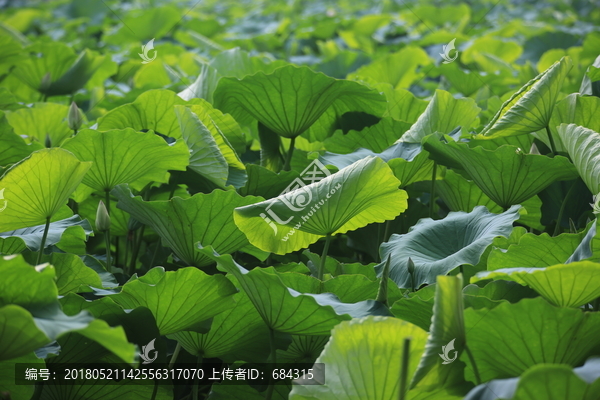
{"points": [[530, 108], [447, 326], [373, 343], [443, 114], [204, 218], [13, 242], [360, 194], [72, 275], [564, 285], [126, 156], [13, 147], [511, 338], [179, 300], [437, 247], [25, 285], [291, 99], [583, 146], [506, 175], [36, 188], [377, 137], [41, 121]]}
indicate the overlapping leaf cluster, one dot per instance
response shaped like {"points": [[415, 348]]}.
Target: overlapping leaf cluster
{"points": [[186, 199]]}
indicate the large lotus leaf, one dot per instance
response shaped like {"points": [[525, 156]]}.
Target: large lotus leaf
{"points": [[41, 120], [447, 324], [437, 247], [303, 349], [30, 238], [545, 382], [583, 146], [402, 104], [37, 187], [179, 300], [152, 109], [533, 251], [68, 72], [564, 285], [511, 338], [24, 331], [360, 194], [266, 183], [286, 310], [530, 108], [25, 285], [573, 109], [397, 69], [235, 334], [377, 137], [506, 175], [443, 114], [417, 307], [8, 376], [204, 218], [13, 147], [291, 99], [72, 275], [146, 23], [357, 353], [126, 156]]}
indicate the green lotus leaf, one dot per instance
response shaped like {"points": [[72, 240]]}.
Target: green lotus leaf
{"points": [[533, 251], [397, 69], [13, 148], [544, 382], [286, 310], [374, 343], [8, 374], [443, 114], [179, 300], [19, 334], [506, 175], [291, 99], [72, 275], [30, 238], [41, 120], [25, 285], [235, 334], [303, 349], [126, 156], [495, 293], [437, 247], [204, 218], [145, 24], [402, 104], [377, 137], [36, 188], [511, 338], [447, 326], [360, 194], [68, 71], [564, 285], [583, 146], [417, 307], [124, 389], [530, 108], [266, 183]]}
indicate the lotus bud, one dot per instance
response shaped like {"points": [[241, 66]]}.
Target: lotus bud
{"points": [[74, 118], [46, 82], [411, 266], [102, 218]]}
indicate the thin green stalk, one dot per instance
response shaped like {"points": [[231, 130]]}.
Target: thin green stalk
{"points": [[432, 191], [475, 370], [324, 257], [127, 241], [195, 388], [562, 208], [154, 391], [288, 160], [43, 243], [107, 234], [552, 145], [136, 249], [175, 354], [388, 229], [404, 369], [271, 387], [117, 252], [154, 254]]}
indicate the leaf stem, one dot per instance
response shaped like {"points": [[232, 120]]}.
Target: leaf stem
{"points": [[154, 254], [175, 354], [43, 242], [271, 387], [404, 368], [136, 249], [324, 257], [288, 160], [195, 387], [432, 191], [475, 370], [562, 209], [107, 234], [552, 145]]}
